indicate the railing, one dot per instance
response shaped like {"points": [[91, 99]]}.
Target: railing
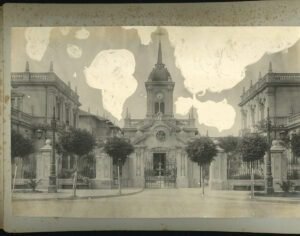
{"points": [[294, 168], [271, 77], [238, 169], [43, 77]]}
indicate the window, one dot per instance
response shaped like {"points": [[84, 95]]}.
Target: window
{"points": [[162, 107], [156, 107], [159, 107]]}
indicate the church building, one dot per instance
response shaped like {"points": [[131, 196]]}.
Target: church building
{"points": [[159, 159]]}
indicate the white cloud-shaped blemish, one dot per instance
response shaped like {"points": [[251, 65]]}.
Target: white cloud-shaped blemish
{"points": [[37, 41], [215, 58], [217, 114], [143, 32], [64, 30], [82, 33], [74, 51], [112, 72]]}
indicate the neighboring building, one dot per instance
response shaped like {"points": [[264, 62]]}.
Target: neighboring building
{"points": [[98, 126], [34, 97], [159, 159], [280, 92]]}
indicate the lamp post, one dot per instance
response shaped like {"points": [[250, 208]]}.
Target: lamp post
{"points": [[52, 178], [269, 179]]}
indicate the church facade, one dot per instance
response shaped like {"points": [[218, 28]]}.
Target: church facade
{"points": [[159, 159]]}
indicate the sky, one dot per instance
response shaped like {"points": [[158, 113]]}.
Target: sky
{"points": [[209, 66]]}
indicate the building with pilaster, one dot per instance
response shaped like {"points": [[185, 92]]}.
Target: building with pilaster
{"points": [[280, 93], [159, 159]]}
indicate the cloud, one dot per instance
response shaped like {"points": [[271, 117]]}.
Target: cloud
{"points": [[82, 33], [217, 114], [112, 72], [143, 32], [74, 51], [215, 58], [37, 41], [64, 30]]}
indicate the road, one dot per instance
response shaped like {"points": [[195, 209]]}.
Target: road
{"points": [[161, 203]]}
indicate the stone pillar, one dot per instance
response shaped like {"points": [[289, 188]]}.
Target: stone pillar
{"points": [[103, 164], [279, 164], [181, 160], [136, 167], [43, 165], [218, 171]]}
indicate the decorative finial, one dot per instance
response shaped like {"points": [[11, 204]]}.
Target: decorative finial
{"points": [[27, 66], [270, 67], [51, 66], [259, 75]]}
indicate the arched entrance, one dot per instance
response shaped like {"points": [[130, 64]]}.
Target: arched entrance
{"points": [[160, 170]]}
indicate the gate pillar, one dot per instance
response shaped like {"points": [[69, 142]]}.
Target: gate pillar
{"points": [[279, 164], [181, 162], [218, 171]]}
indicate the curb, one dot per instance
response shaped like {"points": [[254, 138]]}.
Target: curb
{"points": [[80, 198]]}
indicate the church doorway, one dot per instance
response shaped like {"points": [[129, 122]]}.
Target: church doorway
{"points": [[160, 172]]}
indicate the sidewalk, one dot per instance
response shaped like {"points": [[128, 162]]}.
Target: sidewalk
{"points": [[68, 194]]}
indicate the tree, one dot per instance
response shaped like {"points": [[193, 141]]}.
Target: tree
{"points": [[20, 146], [229, 144], [118, 149], [252, 147], [202, 151], [76, 142]]}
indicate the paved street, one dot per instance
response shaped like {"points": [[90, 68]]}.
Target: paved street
{"points": [[163, 203]]}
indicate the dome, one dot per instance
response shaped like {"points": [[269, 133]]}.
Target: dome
{"points": [[160, 73]]}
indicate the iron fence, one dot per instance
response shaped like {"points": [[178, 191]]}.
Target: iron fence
{"points": [[238, 169]]}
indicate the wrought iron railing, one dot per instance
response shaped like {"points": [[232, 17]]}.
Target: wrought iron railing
{"points": [[238, 169]]}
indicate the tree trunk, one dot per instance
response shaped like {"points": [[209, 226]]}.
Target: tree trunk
{"points": [[75, 176], [119, 179], [202, 177], [252, 180]]}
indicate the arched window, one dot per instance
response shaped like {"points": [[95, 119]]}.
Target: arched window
{"points": [[156, 107], [162, 107]]}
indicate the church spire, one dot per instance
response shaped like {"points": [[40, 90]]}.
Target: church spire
{"points": [[159, 56]]}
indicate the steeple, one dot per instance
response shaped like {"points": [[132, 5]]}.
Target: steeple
{"points": [[159, 56]]}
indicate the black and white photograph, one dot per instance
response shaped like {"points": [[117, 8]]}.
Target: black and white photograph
{"points": [[155, 121]]}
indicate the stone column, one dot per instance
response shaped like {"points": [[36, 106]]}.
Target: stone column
{"points": [[218, 171], [43, 165], [103, 177], [181, 160], [279, 164]]}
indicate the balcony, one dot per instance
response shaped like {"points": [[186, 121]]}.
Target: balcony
{"points": [[270, 79]]}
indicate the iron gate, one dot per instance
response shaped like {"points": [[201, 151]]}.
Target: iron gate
{"points": [[160, 172]]}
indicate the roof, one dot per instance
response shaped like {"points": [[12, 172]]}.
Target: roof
{"points": [[99, 118]]}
